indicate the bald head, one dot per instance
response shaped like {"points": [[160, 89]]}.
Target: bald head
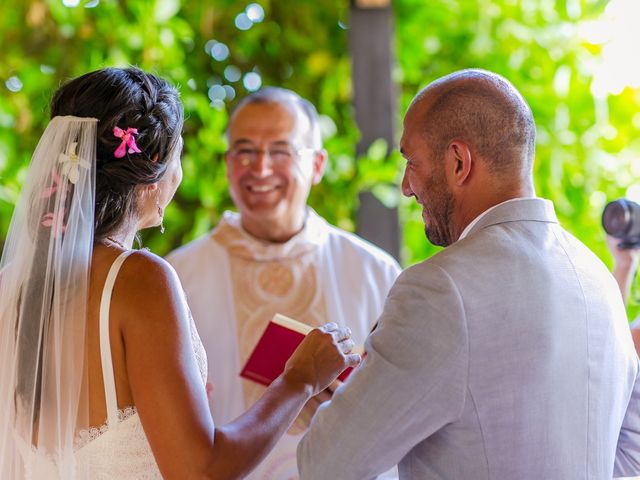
{"points": [[485, 111]]}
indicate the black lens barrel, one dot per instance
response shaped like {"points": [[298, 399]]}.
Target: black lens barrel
{"points": [[621, 219]]}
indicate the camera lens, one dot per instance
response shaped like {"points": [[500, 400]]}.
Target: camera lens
{"points": [[621, 219]]}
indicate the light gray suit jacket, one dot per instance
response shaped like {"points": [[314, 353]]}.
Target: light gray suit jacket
{"points": [[505, 356]]}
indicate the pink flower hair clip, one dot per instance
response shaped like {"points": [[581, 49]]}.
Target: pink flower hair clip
{"points": [[55, 221], [128, 141]]}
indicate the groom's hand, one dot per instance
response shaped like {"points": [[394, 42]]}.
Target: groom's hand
{"points": [[323, 354]]}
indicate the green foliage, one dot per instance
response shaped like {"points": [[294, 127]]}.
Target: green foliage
{"points": [[587, 149]]}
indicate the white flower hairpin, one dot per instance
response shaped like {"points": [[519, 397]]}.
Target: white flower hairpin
{"points": [[71, 163]]}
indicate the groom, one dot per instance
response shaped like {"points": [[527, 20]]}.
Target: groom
{"points": [[505, 356]]}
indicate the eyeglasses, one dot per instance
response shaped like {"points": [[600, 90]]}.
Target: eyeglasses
{"points": [[245, 156]]}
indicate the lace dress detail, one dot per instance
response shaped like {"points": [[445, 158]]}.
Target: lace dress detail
{"points": [[87, 435], [119, 449], [198, 349]]}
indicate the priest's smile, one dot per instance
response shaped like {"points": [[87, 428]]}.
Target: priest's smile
{"points": [[262, 188]]}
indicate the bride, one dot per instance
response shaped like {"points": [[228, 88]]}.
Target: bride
{"points": [[102, 373]]}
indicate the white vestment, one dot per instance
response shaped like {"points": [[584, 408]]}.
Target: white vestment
{"points": [[235, 283]]}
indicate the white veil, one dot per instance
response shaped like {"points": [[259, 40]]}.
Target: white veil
{"points": [[44, 275]]}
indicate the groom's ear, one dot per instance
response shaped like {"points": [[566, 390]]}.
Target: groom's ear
{"points": [[459, 163]]}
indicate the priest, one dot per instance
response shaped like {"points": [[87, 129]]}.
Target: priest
{"points": [[275, 255]]}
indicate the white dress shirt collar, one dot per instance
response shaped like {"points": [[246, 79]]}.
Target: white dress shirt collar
{"points": [[468, 228]]}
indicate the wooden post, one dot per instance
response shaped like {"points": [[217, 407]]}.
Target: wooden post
{"points": [[375, 99]]}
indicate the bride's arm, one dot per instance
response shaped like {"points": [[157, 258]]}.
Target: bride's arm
{"points": [[169, 393]]}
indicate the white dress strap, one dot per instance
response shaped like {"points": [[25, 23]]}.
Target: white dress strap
{"points": [[105, 343]]}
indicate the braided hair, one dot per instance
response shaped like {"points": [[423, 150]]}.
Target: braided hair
{"points": [[125, 98]]}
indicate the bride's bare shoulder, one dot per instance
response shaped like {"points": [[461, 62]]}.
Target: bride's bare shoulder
{"points": [[143, 265], [147, 285]]}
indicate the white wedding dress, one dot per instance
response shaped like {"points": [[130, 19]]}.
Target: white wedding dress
{"points": [[118, 449]]}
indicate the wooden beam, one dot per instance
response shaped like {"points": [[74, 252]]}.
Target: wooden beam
{"points": [[375, 101]]}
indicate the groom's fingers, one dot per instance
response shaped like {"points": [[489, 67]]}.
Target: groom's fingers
{"points": [[346, 345], [352, 359], [341, 334], [328, 327]]}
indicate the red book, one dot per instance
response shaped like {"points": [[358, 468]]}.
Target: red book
{"points": [[278, 342]]}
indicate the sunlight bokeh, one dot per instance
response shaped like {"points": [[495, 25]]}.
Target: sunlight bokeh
{"points": [[618, 33]]}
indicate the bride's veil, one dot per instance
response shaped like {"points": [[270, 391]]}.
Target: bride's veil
{"points": [[43, 299]]}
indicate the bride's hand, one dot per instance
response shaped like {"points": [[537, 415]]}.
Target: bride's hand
{"points": [[321, 357]]}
